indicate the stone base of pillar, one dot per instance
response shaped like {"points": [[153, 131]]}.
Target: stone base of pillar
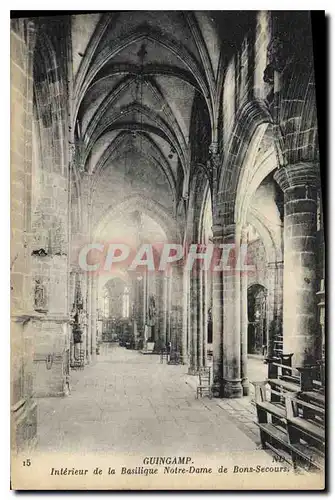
{"points": [[51, 377], [192, 371], [175, 358], [184, 360], [245, 386], [217, 390], [232, 389], [24, 426], [159, 345]]}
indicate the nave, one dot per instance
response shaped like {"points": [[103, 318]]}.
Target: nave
{"points": [[148, 131], [131, 403]]}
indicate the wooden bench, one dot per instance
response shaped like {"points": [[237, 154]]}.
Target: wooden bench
{"points": [[266, 405], [283, 375], [279, 365], [289, 426], [301, 420], [306, 434], [317, 398]]}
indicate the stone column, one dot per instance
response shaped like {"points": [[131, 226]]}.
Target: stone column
{"points": [[94, 318], [173, 318], [145, 282], [231, 325], [159, 310], [169, 303], [193, 368], [139, 308], [321, 306], [205, 316], [299, 183], [200, 320], [184, 350], [87, 337], [217, 315], [164, 305], [244, 322], [189, 328], [176, 319], [274, 307]]}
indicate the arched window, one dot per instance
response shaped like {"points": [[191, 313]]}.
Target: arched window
{"points": [[125, 303], [106, 305]]}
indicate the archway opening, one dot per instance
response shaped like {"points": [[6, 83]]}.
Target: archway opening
{"points": [[116, 311], [257, 319]]}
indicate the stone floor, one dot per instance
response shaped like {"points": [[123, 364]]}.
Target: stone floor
{"points": [[130, 402], [242, 411]]}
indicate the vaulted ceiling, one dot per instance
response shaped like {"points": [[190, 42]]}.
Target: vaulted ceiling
{"points": [[137, 77]]}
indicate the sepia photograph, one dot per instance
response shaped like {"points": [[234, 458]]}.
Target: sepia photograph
{"points": [[167, 254]]}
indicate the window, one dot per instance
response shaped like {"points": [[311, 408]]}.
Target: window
{"points": [[125, 303]]}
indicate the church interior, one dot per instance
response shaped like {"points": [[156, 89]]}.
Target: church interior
{"points": [[153, 128]]}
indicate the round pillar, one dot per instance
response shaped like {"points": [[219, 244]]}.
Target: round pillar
{"points": [[217, 315], [301, 336], [244, 323], [200, 329], [193, 368], [232, 387]]}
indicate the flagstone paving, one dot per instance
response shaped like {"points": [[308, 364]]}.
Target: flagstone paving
{"points": [[130, 402]]}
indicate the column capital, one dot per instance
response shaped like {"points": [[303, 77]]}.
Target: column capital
{"points": [[244, 234], [31, 26], [217, 230], [214, 148], [299, 174], [229, 232], [223, 233], [276, 264]]}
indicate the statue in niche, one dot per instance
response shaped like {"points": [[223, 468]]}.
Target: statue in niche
{"points": [[57, 238], [77, 330], [40, 241], [40, 297], [78, 313]]}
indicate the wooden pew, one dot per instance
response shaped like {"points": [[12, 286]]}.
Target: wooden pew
{"points": [[305, 426], [271, 420], [291, 410], [285, 378]]}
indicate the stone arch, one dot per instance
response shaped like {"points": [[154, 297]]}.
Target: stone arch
{"points": [[169, 126], [153, 154], [273, 248], [197, 191], [298, 114], [150, 207], [252, 122], [154, 121], [254, 169], [206, 199], [139, 34], [103, 279]]}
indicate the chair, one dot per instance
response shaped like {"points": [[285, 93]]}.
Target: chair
{"points": [[164, 355], [204, 386]]}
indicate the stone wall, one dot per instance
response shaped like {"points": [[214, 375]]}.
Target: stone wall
{"points": [[50, 241], [257, 256], [23, 407]]}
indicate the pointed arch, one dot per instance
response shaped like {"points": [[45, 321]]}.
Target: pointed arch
{"points": [[148, 206], [144, 33]]}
